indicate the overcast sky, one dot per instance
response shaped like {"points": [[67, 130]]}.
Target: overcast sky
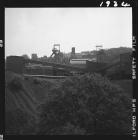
{"points": [[36, 30]]}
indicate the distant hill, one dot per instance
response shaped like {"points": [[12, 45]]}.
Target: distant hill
{"points": [[117, 51], [113, 54]]}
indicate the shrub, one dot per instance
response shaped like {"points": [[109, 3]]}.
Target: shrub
{"points": [[88, 104]]}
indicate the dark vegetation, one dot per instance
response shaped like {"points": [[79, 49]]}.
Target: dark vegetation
{"points": [[19, 122], [81, 105], [15, 85], [92, 105], [126, 85]]}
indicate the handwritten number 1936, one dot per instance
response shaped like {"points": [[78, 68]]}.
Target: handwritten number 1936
{"points": [[115, 4]]}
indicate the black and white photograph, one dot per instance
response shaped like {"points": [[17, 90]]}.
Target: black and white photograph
{"points": [[68, 70]]}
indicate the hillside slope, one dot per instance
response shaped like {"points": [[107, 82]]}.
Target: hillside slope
{"points": [[23, 95]]}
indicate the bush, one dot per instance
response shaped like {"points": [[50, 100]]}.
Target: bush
{"points": [[86, 105]]}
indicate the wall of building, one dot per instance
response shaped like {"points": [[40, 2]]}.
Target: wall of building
{"points": [[15, 64]]}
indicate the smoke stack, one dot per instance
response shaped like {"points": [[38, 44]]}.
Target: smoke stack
{"points": [[73, 50]]}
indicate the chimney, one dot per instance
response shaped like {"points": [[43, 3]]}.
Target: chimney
{"points": [[73, 50]]}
